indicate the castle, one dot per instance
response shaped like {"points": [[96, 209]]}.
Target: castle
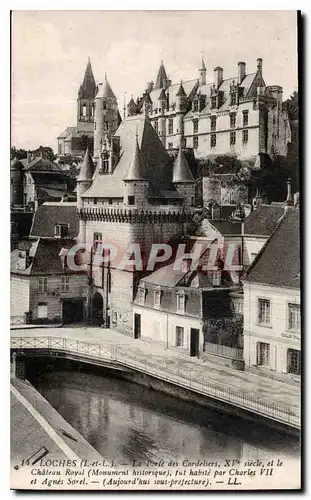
{"points": [[238, 115]]}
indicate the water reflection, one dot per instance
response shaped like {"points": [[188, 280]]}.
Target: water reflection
{"points": [[124, 421]]}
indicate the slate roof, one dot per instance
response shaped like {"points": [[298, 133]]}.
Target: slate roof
{"points": [[44, 258], [88, 87], [50, 214], [189, 87], [263, 220], [226, 227], [136, 170], [161, 77], [66, 132], [278, 262], [156, 161], [104, 90], [181, 170], [42, 165], [87, 168]]}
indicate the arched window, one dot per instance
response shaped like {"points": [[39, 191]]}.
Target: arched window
{"points": [[84, 110]]}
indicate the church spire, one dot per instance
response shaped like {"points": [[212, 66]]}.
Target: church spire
{"points": [[88, 87], [161, 78]]}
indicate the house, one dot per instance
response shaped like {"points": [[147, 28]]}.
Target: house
{"points": [[272, 319], [189, 310], [43, 288]]}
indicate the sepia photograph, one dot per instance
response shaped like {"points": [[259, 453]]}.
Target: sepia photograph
{"points": [[155, 321]]}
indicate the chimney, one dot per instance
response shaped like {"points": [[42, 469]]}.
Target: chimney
{"points": [[241, 72], [259, 65], [218, 72]]}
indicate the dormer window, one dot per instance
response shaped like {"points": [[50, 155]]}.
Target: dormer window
{"points": [[195, 126], [157, 294], [233, 101], [232, 120], [170, 126], [195, 105], [213, 123], [181, 301], [142, 293], [213, 102], [57, 231]]}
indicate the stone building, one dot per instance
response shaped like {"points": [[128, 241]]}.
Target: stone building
{"points": [[44, 289], [36, 180], [136, 196], [73, 141], [238, 115], [272, 329]]}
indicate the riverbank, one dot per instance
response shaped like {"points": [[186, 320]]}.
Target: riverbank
{"points": [[38, 430], [250, 391]]}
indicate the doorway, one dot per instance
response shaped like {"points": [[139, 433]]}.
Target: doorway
{"points": [[97, 309], [137, 326], [73, 311], [194, 342]]}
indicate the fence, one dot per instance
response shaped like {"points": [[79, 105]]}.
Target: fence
{"points": [[286, 415], [17, 320], [223, 350]]}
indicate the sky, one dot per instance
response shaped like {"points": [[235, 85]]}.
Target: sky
{"points": [[50, 50]]}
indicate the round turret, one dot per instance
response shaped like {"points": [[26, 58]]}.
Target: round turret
{"points": [[16, 182], [106, 115]]}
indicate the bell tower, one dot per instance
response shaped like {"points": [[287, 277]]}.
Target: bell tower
{"points": [[85, 101]]}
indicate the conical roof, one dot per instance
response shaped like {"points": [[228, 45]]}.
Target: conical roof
{"points": [[135, 172], [203, 67], [106, 90], [161, 78], [87, 169], [181, 170], [181, 91], [16, 164], [88, 86], [131, 103]]}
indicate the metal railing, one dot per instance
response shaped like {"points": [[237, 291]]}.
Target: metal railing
{"points": [[17, 320], [287, 415], [223, 350]]}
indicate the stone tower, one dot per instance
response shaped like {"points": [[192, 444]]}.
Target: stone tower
{"points": [[181, 103], [16, 182], [183, 179], [135, 185], [106, 116], [85, 101]]}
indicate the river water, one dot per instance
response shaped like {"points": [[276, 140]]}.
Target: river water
{"points": [[124, 421]]}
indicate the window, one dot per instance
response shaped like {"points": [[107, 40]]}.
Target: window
{"points": [[214, 102], [57, 230], [105, 165], [156, 128], [170, 126], [232, 120], [141, 294], [157, 297], [293, 361], [263, 354], [195, 105], [65, 284], [264, 311], [179, 336], [195, 126], [110, 201], [43, 285], [131, 200], [42, 310], [232, 138], [213, 123], [97, 239], [84, 111], [233, 99], [245, 136], [245, 118], [294, 317], [181, 302], [92, 109], [213, 140], [195, 142], [104, 105]]}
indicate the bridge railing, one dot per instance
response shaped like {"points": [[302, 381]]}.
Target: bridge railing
{"points": [[286, 415]]}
